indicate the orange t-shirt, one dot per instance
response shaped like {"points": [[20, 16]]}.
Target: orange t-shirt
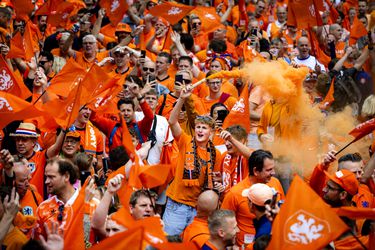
{"points": [[14, 240], [81, 59], [28, 204], [197, 232], [201, 40], [236, 202], [186, 191], [170, 100], [36, 165], [229, 103], [167, 82]]}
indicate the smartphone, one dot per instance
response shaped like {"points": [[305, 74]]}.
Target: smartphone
{"points": [[194, 26], [83, 175], [143, 53], [179, 78], [221, 114], [216, 176], [254, 32]]}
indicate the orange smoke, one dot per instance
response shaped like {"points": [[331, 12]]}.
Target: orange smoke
{"points": [[227, 74]]}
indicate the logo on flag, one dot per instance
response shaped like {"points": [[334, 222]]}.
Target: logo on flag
{"points": [[5, 80], [304, 228], [174, 11], [210, 16], [4, 105], [69, 109], [312, 10], [239, 106], [114, 5]]}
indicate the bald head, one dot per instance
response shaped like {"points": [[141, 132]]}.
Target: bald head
{"points": [[207, 203], [303, 47], [281, 14], [336, 30], [22, 173]]}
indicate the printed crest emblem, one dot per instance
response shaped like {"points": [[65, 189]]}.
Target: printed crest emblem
{"points": [[209, 16], [4, 105], [114, 5], [27, 210], [31, 167], [6, 82], [305, 228], [174, 11]]}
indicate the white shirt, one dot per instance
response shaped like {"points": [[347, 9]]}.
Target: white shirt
{"points": [[161, 131], [309, 62]]}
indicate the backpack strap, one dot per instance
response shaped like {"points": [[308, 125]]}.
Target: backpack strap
{"points": [[224, 97], [138, 131], [34, 197], [110, 139], [152, 134], [162, 105]]}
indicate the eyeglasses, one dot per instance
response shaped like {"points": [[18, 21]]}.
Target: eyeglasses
{"points": [[60, 216], [42, 62], [148, 69], [198, 23]]}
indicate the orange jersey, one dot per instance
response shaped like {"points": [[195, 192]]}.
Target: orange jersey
{"points": [[197, 232], [234, 201], [36, 165], [186, 190], [82, 60], [48, 211], [167, 82]]}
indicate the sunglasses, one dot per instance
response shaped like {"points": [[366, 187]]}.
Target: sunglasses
{"points": [[148, 69], [60, 216], [185, 81], [42, 62]]}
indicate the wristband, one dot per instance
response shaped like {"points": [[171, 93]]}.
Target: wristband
{"points": [[141, 98]]}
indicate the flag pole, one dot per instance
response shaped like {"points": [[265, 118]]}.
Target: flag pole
{"points": [[347, 145]]}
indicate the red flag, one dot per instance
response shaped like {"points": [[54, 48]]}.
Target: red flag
{"points": [[240, 113], [13, 108], [209, 18], [10, 83], [23, 8], [67, 79], [305, 221], [304, 13], [170, 11], [114, 9], [244, 18], [363, 129]]}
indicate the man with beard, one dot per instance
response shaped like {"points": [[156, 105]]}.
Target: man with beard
{"points": [[60, 175], [223, 228]]}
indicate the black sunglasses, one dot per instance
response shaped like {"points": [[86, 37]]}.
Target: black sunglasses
{"points": [[148, 69], [60, 216], [42, 62]]}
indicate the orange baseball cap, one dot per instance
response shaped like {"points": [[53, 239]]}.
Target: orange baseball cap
{"points": [[259, 194], [123, 27], [73, 134], [346, 180]]}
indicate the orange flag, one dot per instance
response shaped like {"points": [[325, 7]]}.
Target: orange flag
{"points": [[170, 11], [17, 47], [305, 221], [13, 108], [74, 237], [304, 13], [24, 46], [57, 11], [65, 111], [154, 175], [101, 102], [114, 9], [130, 239], [10, 83], [329, 98], [357, 30], [209, 18], [363, 129], [240, 112], [67, 79], [356, 212], [244, 18]]}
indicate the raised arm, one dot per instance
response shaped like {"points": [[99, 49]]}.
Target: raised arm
{"points": [[242, 148]]}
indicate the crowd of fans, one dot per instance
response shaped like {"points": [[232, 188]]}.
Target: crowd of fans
{"points": [[156, 145]]}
